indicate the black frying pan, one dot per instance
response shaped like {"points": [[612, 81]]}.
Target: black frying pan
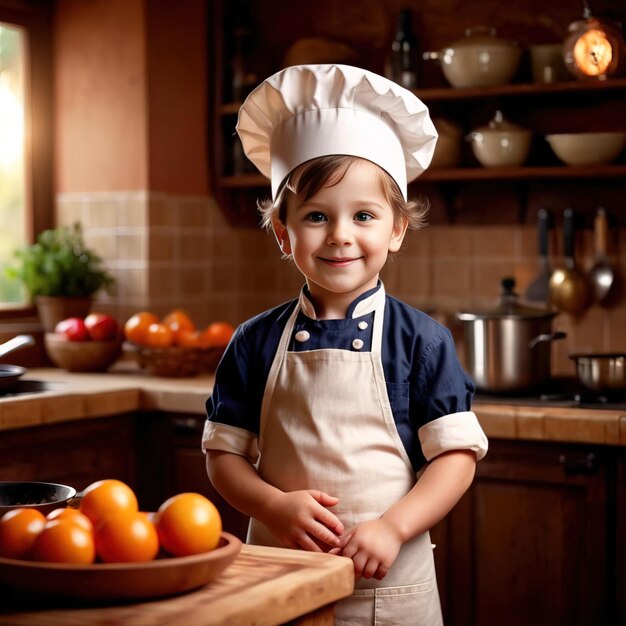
{"points": [[34, 495], [10, 374]]}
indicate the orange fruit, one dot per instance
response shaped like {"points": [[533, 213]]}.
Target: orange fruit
{"points": [[159, 336], [63, 541], [217, 335], [178, 320], [18, 530], [188, 523], [136, 326], [73, 515], [126, 537], [188, 338], [105, 497]]}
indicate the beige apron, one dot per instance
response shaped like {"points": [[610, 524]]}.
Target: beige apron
{"points": [[326, 423]]}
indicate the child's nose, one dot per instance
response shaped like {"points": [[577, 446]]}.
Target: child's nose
{"points": [[339, 233]]}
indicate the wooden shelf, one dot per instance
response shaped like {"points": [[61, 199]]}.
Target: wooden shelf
{"points": [[471, 173], [522, 173], [471, 93], [527, 89]]}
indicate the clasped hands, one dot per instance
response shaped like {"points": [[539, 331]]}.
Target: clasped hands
{"points": [[302, 520]]}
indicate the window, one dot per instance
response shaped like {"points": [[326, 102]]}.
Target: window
{"points": [[26, 131], [13, 205]]}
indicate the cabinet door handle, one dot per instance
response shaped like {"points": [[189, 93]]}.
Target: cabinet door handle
{"points": [[187, 425], [577, 464]]}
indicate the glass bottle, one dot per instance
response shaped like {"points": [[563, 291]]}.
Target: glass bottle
{"points": [[404, 53]]}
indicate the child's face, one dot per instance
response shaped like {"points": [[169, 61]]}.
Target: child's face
{"points": [[340, 237]]}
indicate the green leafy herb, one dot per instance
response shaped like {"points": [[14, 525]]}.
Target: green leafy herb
{"points": [[59, 264]]}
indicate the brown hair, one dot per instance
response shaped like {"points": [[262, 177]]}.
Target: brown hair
{"points": [[307, 179]]}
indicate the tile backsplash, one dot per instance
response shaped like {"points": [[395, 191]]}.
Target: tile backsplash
{"points": [[170, 251]]}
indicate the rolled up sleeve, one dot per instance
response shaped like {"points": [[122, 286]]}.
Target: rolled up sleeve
{"points": [[458, 431]]}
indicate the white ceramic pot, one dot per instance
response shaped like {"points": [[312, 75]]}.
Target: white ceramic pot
{"points": [[500, 143], [480, 59], [587, 148], [448, 147]]}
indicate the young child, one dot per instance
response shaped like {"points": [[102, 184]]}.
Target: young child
{"points": [[327, 408]]}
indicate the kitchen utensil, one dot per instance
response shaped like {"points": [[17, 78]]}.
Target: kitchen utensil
{"points": [[507, 348], [116, 581], [601, 275], [34, 495], [587, 148], [605, 373], [569, 288], [480, 59], [21, 341], [539, 289], [500, 142], [10, 374]]}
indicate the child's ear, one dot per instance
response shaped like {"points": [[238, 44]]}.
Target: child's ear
{"points": [[281, 234], [397, 235]]}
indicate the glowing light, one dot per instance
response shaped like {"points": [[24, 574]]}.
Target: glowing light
{"points": [[593, 52], [11, 124]]}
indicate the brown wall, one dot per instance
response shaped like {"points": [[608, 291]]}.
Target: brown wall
{"points": [[100, 95], [131, 124]]}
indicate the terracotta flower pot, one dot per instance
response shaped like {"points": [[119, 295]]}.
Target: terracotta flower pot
{"points": [[53, 309]]}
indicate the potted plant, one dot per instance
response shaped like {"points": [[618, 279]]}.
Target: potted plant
{"points": [[60, 274]]}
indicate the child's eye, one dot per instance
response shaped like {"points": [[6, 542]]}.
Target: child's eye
{"points": [[362, 216], [316, 217]]}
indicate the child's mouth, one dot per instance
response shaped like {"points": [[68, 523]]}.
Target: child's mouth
{"points": [[340, 262]]}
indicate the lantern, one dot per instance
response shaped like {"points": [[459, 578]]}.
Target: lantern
{"points": [[595, 47]]}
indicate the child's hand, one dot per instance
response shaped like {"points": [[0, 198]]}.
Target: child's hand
{"points": [[372, 546], [300, 519]]}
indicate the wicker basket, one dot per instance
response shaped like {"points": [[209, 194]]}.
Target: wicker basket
{"points": [[171, 362]]}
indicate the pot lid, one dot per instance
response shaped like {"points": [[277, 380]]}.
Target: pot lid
{"points": [[509, 305], [501, 124], [482, 36]]}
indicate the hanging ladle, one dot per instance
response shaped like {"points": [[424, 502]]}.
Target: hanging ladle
{"points": [[601, 275], [569, 288]]}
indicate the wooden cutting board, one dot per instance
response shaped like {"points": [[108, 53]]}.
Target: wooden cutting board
{"points": [[262, 587]]}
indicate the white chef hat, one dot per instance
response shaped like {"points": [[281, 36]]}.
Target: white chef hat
{"points": [[309, 111]]}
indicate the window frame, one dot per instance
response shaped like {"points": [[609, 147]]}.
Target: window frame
{"points": [[36, 18]]}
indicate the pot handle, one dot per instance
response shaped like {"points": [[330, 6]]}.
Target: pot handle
{"points": [[547, 337]]}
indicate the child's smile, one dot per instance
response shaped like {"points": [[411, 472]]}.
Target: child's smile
{"points": [[340, 238]]}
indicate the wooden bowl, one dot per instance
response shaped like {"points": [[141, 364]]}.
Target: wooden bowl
{"points": [[82, 356], [119, 581]]}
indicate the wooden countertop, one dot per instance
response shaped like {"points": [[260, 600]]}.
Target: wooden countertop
{"points": [[126, 389], [262, 587]]}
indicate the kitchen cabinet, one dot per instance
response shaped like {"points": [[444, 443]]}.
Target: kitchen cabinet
{"points": [[74, 453], [534, 540], [172, 462], [572, 106]]}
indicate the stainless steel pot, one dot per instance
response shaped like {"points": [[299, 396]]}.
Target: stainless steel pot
{"points": [[603, 373], [507, 348]]}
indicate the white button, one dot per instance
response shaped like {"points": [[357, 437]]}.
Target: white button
{"points": [[357, 344], [362, 325], [303, 335]]}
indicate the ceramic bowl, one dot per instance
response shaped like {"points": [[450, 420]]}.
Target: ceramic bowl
{"points": [[500, 143], [587, 148], [81, 356]]}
